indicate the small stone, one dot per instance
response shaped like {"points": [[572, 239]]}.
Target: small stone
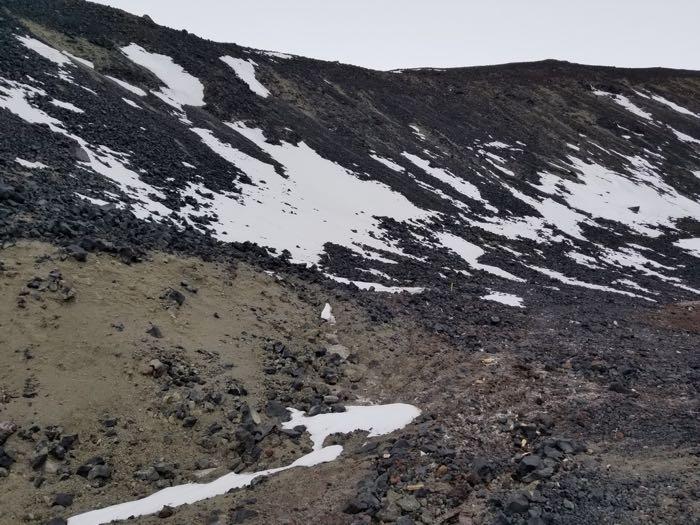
{"points": [[157, 368], [175, 296], [166, 512], [100, 472], [147, 474], [77, 252], [155, 331], [568, 505], [530, 463], [517, 503], [63, 499], [408, 503]]}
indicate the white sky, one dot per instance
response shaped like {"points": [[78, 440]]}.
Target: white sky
{"points": [[388, 34]]}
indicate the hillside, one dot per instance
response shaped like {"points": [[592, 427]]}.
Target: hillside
{"points": [[511, 251]]}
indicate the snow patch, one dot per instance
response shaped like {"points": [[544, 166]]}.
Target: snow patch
{"points": [[182, 89], [462, 186], [691, 245], [363, 285], [575, 282], [625, 103], [504, 298], [66, 105], [672, 105], [30, 165], [471, 253], [131, 103], [319, 201], [606, 194], [129, 87], [388, 163], [98, 202], [376, 420], [245, 70], [48, 52]]}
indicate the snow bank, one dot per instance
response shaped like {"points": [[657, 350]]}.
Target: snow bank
{"points": [[377, 420], [471, 253], [181, 88], [319, 202], [245, 70], [504, 298]]}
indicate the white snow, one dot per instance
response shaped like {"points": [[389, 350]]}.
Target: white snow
{"points": [[131, 103], [98, 202], [672, 105], [48, 52], [388, 163], [462, 186], [540, 229], [245, 70], [275, 54], [504, 298], [606, 194], [363, 285], [129, 87], [66, 105], [79, 60], [625, 103], [575, 282], [188, 165], [684, 137], [15, 97], [500, 145], [584, 260], [319, 201], [376, 420], [327, 314], [30, 165], [692, 245], [631, 284], [471, 253], [417, 131], [182, 89], [103, 160]]}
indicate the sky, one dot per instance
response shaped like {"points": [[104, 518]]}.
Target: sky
{"points": [[392, 34]]}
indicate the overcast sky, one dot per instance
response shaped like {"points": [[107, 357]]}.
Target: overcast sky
{"points": [[389, 34]]}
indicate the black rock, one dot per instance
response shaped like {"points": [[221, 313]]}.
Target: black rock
{"points": [[175, 295], [77, 252], [85, 468], [275, 409], [6, 460], [155, 332], [100, 472], [529, 464], [166, 512], [63, 499], [619, 388], [361, 503]]}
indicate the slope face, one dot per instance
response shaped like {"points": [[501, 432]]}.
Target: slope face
{"points": [[524, 228], [586, 176]]}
